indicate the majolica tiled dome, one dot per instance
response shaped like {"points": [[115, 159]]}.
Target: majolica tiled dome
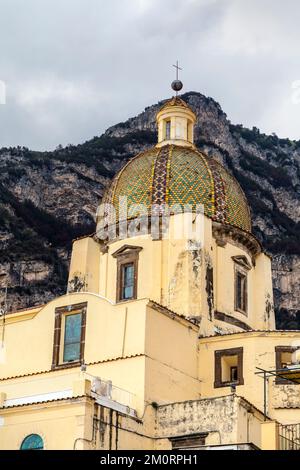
{"points": [[174, 174]]}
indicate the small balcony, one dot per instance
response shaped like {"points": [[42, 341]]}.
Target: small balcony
{"points": [[289, 436], [116, 398]]}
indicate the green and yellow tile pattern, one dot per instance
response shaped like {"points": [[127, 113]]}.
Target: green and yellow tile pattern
{"points": [[178, 175]]}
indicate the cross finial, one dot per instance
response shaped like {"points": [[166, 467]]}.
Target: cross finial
{"points": [[177, 69], [177, 84]]}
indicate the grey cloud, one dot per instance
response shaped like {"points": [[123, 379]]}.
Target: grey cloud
{"points": [[74, 67]]}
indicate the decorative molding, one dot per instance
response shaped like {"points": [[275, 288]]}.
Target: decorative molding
{"points": [[126, 250], [102, 244], [224, 233], [160, 177], [242, 261], [190, 322], [231, 320]]}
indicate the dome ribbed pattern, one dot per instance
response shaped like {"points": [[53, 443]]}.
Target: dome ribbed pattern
{"points": [[178, 175]]}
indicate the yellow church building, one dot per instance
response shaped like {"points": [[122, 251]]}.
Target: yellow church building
{"points": [[165, 338]]}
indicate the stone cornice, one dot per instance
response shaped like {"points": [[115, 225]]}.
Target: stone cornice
{"points": [[224, 233]]}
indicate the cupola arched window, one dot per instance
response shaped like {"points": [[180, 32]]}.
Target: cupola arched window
{"points": [[168, 130], [32, 442]]}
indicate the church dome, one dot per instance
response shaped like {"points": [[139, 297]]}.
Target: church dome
{"points": [[174, 174]]}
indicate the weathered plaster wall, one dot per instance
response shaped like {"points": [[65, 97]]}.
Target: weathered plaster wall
{"points": [[258, 352], [193, 277], [59, 424], [217, 417]]}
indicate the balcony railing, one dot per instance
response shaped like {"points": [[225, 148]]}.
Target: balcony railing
{"points": [[289, 436]]}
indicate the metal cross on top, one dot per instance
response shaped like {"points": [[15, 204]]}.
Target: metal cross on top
{"points": [[177, 69]]}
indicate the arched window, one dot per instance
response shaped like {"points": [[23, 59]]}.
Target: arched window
{"points": [[168, 130], [32, 442]]}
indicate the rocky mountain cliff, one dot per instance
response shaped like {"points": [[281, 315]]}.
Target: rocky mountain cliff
{"points": [[49, 198]]}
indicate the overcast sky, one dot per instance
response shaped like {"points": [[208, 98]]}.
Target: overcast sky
{"points": [[74, 67]]}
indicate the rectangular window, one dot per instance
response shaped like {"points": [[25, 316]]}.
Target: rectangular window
{"points": [[127, 272], [283, 361], [72, 337], [229, 367], [69, 335], [241, 294], [127, 281], [168, 130]]}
